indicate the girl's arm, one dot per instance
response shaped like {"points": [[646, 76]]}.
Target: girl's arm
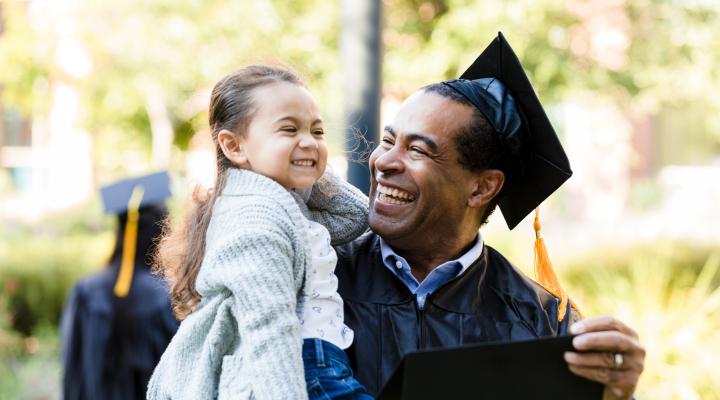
{"points": [[254, 262], [340, 207]]}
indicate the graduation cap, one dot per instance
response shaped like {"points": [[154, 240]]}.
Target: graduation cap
{"points": [[116, 197], [129, 196], [535, 163]]}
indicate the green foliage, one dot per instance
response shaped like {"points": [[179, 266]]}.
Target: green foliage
{"points": [[653, 51], [461, 29], [169, 50], [40, 263], [644, 54], [671, 295], [10, 340], [30, 370], [184, 131], [24, 61]]}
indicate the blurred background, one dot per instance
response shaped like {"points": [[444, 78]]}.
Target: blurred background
{"points": [[95, 91]]}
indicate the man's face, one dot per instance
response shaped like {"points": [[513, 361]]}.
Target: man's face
{"points": [[418, 189]]}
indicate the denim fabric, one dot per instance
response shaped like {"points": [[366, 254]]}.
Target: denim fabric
{"points": [[327, 373]]}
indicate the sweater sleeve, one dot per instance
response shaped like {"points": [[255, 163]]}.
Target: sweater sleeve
{"points": [[254, 262], [340, 207]]}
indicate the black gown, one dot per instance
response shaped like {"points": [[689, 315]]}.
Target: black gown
{"points": [[94, 368], [490, 301]]}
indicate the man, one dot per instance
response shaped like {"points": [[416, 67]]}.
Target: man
{"points": [[424, 278]]}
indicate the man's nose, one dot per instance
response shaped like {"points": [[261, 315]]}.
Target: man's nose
{"points": [[388, 161]]}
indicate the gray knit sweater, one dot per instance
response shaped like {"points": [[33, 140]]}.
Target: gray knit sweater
{"points": [[243, 341]]}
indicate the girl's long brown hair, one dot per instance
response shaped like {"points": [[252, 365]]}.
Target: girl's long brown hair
{"points": [[181, 250]]}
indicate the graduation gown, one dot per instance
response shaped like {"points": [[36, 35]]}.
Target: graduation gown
{"points": [[86, 332], [490, 301]]}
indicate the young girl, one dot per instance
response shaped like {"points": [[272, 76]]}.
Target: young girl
{"points": [[251, 275]]}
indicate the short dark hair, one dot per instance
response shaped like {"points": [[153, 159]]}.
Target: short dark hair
{"points": [[478, 145]]}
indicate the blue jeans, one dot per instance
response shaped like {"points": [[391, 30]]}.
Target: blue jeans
{"points": [[327, 373]]}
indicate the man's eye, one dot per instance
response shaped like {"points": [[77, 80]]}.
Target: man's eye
{"points": [[387, 140], [418, 150]]}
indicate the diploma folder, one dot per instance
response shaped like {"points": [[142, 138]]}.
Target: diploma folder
{"points": [[533, 369]]}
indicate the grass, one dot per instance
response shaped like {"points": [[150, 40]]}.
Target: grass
{"points": [[31, 370], [38, 265], [672, 302]]}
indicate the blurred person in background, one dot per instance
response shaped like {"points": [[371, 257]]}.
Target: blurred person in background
{"points": [[117, 323]]}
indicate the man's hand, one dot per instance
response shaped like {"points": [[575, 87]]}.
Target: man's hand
{"points": [[609, 352]]}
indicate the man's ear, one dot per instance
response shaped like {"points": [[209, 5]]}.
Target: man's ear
{"points": [[486, 185], [232, 146]]}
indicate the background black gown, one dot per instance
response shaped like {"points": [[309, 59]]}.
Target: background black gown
{"points": [[97, 363], [110, 344]]}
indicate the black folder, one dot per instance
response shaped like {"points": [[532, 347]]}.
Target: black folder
{"points": [[533, 369]]}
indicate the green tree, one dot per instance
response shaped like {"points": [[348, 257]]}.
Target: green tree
{"points": [[154, 62]]}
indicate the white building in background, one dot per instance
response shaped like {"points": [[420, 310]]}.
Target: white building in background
{"points": [[598, 141], [49, 158]]}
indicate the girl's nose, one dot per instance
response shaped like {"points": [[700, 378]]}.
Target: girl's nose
{"points": [[307, 141]]}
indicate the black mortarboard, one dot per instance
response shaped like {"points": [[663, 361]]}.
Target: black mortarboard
{"points": [[534, 161], [516, 370], [116, 196], [129, 196]]}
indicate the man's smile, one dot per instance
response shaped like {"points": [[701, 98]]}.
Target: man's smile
{"points": [[393, 196]]}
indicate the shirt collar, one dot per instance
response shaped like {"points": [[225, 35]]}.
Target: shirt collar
{"points": [[390, 257]]}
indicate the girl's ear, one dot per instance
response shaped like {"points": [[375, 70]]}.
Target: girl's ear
{"points": [[486, 186], [232, 147]]}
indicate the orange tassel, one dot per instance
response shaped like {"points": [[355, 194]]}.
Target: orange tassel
{"points": [[127, 263], [544, 272]]}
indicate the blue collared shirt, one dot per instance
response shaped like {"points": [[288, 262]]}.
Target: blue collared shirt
{"points": [[439, 276]]}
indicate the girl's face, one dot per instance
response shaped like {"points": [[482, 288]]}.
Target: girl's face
{"points": [[285, 138]]}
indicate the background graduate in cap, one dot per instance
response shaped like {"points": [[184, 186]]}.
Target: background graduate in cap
{"points": [[117, 323], [425, 279]]}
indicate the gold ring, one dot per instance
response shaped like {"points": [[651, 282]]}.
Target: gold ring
{"points": [[618, 361]]}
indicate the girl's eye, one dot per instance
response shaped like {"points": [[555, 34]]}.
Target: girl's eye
{"points": [[318, 132], [288, 129]]}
